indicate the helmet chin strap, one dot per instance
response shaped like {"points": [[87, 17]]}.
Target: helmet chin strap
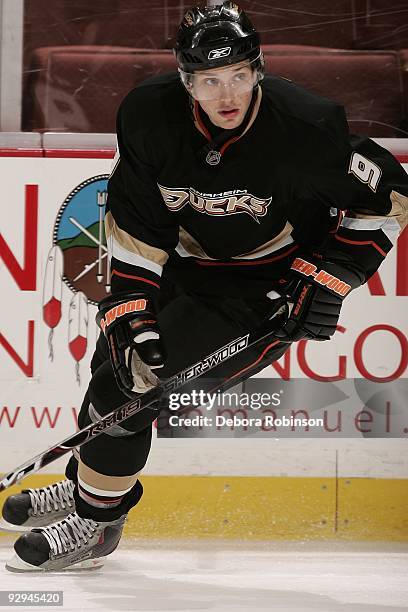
{"points": [[219, 136]]}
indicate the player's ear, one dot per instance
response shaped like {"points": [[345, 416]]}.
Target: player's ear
{"points": [[189, 83], [187, 80]]}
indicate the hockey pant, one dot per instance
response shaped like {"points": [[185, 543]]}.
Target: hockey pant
{"points": [[192, 327]]}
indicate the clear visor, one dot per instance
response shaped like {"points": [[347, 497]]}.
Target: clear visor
{"points": [[225, 82]]}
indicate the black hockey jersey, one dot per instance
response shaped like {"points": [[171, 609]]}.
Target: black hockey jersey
{"points": [[232, 220]]}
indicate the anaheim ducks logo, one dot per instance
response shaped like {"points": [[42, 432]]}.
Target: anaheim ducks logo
{"points": [[216, 204]]}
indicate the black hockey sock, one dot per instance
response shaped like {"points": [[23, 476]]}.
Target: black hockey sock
{"points": [[86, 510], [100, 498]]}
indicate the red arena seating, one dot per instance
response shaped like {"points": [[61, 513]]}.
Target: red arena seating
{"points": [[150, 23], [79, 88], [130, 23], [141, 24], [80, 58], [380, 25], [403, 54], [287, 49], [303, 22], [367, 83]]}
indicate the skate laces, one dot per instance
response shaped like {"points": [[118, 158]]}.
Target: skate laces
{"points": [[68, 534], [54, 497]]}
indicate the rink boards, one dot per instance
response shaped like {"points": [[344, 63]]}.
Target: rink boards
{"points": [[240, 487]]}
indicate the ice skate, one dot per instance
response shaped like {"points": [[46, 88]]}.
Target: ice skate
{"points": [[34, 508], [73, 543]]}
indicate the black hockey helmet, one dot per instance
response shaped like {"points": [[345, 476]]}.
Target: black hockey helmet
{"points": [[214, 36]]}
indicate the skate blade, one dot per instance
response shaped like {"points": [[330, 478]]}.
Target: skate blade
{"points": [[5, 526], [17, 565], [11, 528]]}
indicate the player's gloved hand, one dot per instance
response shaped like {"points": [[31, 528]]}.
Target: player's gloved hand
{"points": [[129, 323], [315, 291]]}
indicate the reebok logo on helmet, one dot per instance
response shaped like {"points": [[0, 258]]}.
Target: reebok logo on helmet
{"points": [[215, 54]]}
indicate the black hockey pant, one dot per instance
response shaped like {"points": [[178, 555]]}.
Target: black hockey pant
{"points": [[192, 327]]}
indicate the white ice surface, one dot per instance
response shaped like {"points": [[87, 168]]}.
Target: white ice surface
{"points": [[231, 577]]}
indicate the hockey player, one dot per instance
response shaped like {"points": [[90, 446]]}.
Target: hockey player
{"points": [[230, 190]]}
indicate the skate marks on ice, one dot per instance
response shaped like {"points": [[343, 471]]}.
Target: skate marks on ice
{"points": [[232, 577]]}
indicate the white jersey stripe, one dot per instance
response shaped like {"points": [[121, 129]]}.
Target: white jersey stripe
{"points": [[267, 250], [389, 226], [117, 251], [275, 244]]}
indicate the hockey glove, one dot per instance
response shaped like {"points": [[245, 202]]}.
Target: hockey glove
{"points": [[130, 326], [315, 291]]}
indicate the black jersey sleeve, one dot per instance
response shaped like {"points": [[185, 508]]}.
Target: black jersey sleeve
{"points": [[139, 229], [378, 211], [365, 191]]}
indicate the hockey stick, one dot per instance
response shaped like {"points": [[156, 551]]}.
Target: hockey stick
{"points": [[145, 401]]}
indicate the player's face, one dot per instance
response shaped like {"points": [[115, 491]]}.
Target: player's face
{"points": [[225, 93]]}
